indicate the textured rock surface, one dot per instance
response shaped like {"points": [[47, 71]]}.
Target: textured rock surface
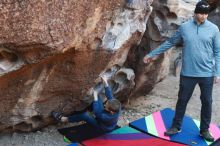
{"points": [[214, 16], [52, 53], [166, 17], [164, 20]]}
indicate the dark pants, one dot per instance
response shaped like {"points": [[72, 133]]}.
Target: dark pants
{"points": [[85, 116], [90, 117], [187, 85]]}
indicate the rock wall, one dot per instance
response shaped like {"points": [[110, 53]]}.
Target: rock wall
{"points": [[214, 16], [163, 22], [52, 52], [165, 18]]}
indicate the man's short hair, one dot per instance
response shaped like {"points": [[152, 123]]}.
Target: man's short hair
{"points": [[113, 105]]}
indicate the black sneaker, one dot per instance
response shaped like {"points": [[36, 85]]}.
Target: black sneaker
{"points": [[56, 115], [207, 136], [172, 131]]}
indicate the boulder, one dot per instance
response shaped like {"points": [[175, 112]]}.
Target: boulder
{"points": [[52, 53]]}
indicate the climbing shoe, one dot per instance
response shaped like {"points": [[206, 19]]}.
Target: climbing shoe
{"points": [[56, 115]]}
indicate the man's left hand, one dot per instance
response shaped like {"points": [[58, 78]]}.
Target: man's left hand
{"points": [[217, 80]]}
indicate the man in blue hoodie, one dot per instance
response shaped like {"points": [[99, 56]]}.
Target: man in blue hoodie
{"points": [[104, 117], [200, 65]]}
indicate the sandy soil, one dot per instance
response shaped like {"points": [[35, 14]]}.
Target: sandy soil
{"points": [[162, 96]]}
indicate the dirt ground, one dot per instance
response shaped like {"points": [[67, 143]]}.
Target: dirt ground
{"points": [[162, 96]]}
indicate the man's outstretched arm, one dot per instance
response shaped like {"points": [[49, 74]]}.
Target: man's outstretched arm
{"points": [[97, 108], [108, 91], [172, 41]]}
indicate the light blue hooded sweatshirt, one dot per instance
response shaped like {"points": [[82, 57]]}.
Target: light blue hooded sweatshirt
{"points": [[201, 48]]}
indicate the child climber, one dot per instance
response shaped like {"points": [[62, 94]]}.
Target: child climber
{"points": [[105, 116]]}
